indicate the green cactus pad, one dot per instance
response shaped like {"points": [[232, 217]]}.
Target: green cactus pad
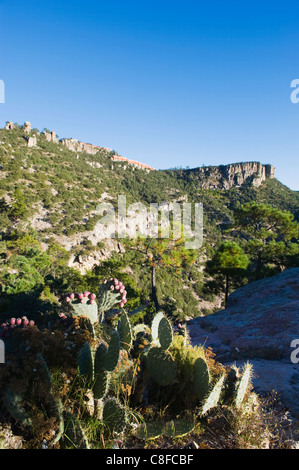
{"points": [[201, 378], [85, 362], [85, 309], [112, 355], [162, 331], [214, 396], [125, 331], [178, 428], [100, 357], [101, 384], [155, 327], [161, 366], [165, 333], [149, 431], [114, 416]]}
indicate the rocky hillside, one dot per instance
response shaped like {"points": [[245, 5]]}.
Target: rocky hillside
{"points": [[52, 188]]}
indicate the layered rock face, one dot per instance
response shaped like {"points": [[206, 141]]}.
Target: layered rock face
{"points": [[77, 146], [233, 175]]}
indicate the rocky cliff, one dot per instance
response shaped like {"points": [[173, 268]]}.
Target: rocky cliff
{"points": [[233, 175]]}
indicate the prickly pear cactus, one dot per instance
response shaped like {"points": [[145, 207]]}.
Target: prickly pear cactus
{"points": [[161, 366], [111, 293], [83, 305], [114, 416], [97, 365], [201, 378], [162, 331]]}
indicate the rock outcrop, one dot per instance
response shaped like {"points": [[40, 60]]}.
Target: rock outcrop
{"points": [[51, 137], [9, 126], [233, 175], [118, 158], [77, 146], [32, 142], [27, 127], [259, 325]]}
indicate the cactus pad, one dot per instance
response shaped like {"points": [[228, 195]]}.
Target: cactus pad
{"points": [[178, 428], [114, 416], [214, 396], [125, 331], [83, 305], [112, 355], [161, 366], [201, 378], [85, 362], [150, 431], [244, 385]]}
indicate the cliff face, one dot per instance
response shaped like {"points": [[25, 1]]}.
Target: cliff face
{"points": [[233, 175]]}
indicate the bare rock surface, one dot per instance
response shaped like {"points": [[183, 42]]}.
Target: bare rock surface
{"points": [[259, 325]]}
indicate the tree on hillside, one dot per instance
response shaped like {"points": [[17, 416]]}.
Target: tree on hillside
{"points": [[157, 253], [18, 207], [269, 237], [228, 262]]}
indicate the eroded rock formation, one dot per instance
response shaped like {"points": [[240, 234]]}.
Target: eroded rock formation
{"points": [[233, 175]]}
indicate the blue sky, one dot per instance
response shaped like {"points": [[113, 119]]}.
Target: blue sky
{"points": [[168, 83]]}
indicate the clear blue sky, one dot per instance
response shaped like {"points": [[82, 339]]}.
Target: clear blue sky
{"points": [[168, 83]]}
